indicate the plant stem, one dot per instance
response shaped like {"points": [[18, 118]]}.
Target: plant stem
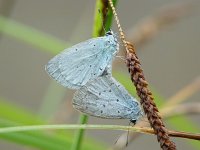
{"points": [[79, 134], [146, 130], [97, 31]]}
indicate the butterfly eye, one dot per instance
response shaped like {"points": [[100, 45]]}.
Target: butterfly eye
{"points": [[109, 33], [133, 121]]}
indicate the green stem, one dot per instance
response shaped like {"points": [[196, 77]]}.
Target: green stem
{"points": [[100, 5], [79, 134], [67, 127]]}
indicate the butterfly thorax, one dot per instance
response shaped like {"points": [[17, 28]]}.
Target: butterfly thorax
{"points": [[111, 41]]}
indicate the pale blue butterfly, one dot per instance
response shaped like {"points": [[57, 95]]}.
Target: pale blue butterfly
{"points": [[106, 98], [76, 65]]}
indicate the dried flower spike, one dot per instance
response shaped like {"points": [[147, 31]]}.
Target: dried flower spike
{"points": [[146, 98]]}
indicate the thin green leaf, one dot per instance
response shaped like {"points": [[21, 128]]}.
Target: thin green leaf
{"points": [[32, 36], [11, 115], [33, 139]]}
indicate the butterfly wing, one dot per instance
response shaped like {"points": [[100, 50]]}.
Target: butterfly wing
{"points": [[106, 98], [75, 66]]}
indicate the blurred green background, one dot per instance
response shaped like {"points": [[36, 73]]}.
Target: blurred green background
{"points": [[32, 32]]}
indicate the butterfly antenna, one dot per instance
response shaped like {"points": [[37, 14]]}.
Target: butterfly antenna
{"points": [[102, 20], [121, 57], [117, 140]]}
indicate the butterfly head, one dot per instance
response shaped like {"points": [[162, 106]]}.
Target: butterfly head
{"points": [[109, 32], [139, 115], [133, 121]]}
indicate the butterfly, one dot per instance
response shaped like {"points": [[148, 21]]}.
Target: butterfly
{"points": [[106, 98], [85, 61]]}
